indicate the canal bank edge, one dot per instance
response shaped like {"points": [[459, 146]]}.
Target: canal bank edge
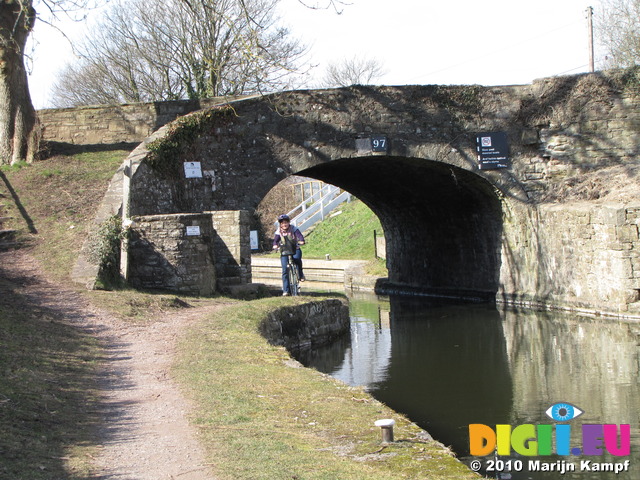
{"points": [[300, 420], [309, 325], [350, 275], [312, 324]]}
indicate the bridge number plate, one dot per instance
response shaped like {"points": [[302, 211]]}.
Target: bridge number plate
{"points": [[379, 144], [374, 144], [493, 150]]}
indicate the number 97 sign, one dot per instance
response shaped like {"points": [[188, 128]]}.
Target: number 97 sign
{"points": [[379, 144]]}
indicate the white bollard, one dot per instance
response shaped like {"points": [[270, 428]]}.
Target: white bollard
{"points": [[386, 425]]}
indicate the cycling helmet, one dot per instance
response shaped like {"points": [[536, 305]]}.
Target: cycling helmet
{"points": [[283, 217]]}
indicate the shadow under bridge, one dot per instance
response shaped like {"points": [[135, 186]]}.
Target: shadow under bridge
{"points": [[442, 224]]}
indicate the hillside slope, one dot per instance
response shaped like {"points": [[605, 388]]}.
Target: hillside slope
{"points": [[348, 235]]}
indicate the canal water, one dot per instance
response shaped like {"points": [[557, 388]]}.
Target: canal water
{"points": [[449, 366]]}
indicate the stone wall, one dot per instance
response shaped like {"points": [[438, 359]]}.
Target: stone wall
{"points": [[591, 263], [232, 247], [111, 124], [172, 252], [310, 324], [194, 254]]}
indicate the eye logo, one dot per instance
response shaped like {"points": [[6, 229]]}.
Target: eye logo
{"points": [[563, 412]]}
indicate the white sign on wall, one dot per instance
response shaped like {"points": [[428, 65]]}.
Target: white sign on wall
{"points": [[192, 170], [193, 231], [253, 239]]}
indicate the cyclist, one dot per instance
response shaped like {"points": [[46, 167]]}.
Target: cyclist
{"points": [[288, 239]]}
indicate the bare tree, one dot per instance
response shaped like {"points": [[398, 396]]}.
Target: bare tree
{"points": [[19, 130], [353, 71], [149, 50], [336, 5], [618, 32]]}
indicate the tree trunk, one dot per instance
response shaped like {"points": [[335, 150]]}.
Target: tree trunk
{"points": [[19, 129]]}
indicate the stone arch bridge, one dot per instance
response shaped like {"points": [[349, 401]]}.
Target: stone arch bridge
{"points": [[558, 225]]}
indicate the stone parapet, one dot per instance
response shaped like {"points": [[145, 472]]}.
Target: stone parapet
{"points": [[110, 124], [172, 252]]}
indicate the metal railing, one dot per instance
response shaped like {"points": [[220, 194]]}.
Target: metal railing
{"points": [[316, 207]]}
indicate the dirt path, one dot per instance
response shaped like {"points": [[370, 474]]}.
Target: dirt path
{"points": [[145, 434]]}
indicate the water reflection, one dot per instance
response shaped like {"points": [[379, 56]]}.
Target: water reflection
{"points": [[447, 366], [364, 357]]}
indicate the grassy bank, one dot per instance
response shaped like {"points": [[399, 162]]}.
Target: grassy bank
{"points": [[347, 236], [261, 417], [47, 400], [52, 203]]}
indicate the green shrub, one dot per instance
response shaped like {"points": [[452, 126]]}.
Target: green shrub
{"points": [[104, 250]]}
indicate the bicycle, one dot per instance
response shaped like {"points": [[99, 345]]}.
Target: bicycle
{"points": [[292, 274]]}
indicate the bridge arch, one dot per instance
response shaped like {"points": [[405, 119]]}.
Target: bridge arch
{"points": [[442, 224], [441, 215], [450, 227]]}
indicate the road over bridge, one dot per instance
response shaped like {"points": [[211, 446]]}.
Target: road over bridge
{"points": [[558, 224]]}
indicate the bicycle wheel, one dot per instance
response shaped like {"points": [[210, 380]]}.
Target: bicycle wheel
{"points": [[293, 278]]}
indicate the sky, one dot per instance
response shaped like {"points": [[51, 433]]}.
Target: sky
{"points": [[446, 42]]}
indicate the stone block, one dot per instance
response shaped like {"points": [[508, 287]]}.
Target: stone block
{"points": [[627, 233], [248, 291], [529, 137], [612, 215]]}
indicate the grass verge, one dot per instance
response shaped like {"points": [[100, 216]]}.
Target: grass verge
{"points": [[47, 404], [261, 418], [347, 236]]}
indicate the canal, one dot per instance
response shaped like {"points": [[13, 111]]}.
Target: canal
{"points": [[450, 366]]}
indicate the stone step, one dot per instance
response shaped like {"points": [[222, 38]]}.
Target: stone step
{"points": [[229, 281], [246, 291], [260, 273], [268, 270], [4, 246]]}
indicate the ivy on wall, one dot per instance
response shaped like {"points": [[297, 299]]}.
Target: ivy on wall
{"points": [[167, 154], [628, 80], [104, 250]]}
